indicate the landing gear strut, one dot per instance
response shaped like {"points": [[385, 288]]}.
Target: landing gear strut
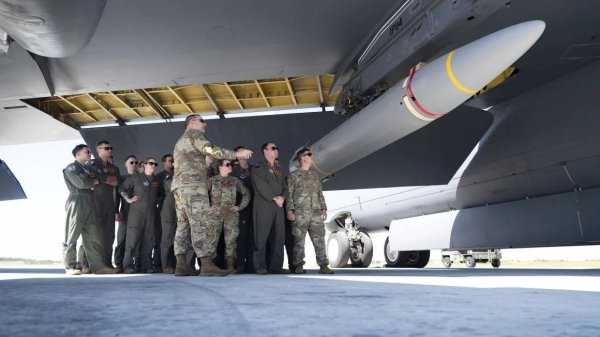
{"points": [[349, 243]]}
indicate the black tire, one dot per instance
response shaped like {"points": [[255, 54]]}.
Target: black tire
{"points": [[408, 259], [365, 255], [341, 256], [446, 261], [496, 263], [470, 262]]}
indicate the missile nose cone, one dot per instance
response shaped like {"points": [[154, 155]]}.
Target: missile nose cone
{"points": [[459, 74], [479, 62]]}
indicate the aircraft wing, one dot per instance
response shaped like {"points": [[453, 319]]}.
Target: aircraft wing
{"points": [[11, 188], [159, 62]]}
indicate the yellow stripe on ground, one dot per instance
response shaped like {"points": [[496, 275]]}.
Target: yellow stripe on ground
{"points": [[453, 78]]}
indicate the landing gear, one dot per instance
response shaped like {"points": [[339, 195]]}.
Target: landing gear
{"points": [[446, 261], [496, 263], [338, 249], [361, 253], [348, 241], [408, 259]]}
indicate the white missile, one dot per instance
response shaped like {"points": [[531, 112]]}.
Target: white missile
{"points": [[428, 93]]}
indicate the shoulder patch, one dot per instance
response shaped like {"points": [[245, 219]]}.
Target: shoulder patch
{"points": [[71, 168]]}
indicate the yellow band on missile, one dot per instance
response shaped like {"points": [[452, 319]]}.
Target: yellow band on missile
{"points": [[453, 79], [315, 165]]}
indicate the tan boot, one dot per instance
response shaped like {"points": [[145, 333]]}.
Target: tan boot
{"points": [[106, 271], [73, 272], [182, 269], [230, 268], [86, 270], [209, 269], [299, 269], [325, 270], [169, 270], [262, 272]]}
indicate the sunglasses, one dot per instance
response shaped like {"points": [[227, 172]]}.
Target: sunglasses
{"points": [[307, 154], [200, 120], [107, 148], [152, 163], [274, 148], [227, 165], [133, 162], [87, 151]]}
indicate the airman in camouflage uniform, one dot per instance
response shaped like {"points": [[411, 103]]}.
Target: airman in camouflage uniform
{"points": [[81, 215], [307, 209], [224, 215], [189, 188]]}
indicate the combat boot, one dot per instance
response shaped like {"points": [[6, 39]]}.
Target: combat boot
{"points": [[73, 272], [182, 269], [169, 270], [209, 269], [230, 268], [325, 270], [280, 271], [262, 272], [106, 271], [86, 270], [240, 269], [299, 269]]}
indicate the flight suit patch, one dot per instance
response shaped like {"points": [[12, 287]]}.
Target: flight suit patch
{"points": [[154, 184]]}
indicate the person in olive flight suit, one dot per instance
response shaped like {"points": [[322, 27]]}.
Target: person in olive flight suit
{"points": [[140, 223], [245, 242], [270, 194], [131, 163], [81, 215], [224, 216], [168, 216], [104, 196], [167, 161], [289, 238]]}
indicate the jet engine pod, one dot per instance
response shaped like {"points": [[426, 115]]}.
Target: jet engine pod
{"points": [[57, 28]]}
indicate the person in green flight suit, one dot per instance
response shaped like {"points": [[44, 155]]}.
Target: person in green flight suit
{"points": [[140, 223], [81, 215]]}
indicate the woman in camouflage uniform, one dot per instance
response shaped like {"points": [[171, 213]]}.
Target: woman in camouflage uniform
{"points": [[223, 189]]}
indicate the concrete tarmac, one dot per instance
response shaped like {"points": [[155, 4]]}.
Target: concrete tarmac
{"points": [[353, 302]]}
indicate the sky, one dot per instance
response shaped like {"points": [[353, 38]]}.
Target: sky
{"points": [[34, 228]]}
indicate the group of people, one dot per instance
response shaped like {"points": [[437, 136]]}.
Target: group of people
{"points": [[170, 220]]}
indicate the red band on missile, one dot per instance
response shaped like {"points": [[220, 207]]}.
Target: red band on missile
{"points": [[414, 99]]}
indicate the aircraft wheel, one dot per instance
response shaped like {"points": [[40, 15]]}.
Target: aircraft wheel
{"points": [[447, 262], [392, 258], [470, 262], [423, 259], [496, 263], [407, 259], [338, 249], [363, 258]]}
